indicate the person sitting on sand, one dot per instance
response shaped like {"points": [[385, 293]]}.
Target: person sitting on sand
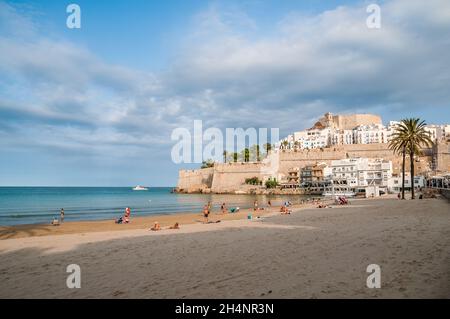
{"points": [[234, 210], [284, 210], [176, 226], [156, 227], [223, 207], [55, 222]]}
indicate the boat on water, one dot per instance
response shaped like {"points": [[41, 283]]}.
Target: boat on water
{"points": [[140, 188]]}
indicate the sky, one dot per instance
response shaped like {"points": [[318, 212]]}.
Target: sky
{"points": [[96, 106]]}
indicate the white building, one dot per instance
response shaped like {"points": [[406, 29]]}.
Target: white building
{"points": [[395, 182], [370, 134], [362, 134], [362, 172]]}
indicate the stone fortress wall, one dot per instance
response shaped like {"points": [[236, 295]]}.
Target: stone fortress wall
{"points": [[230, 177], [347, 122]]}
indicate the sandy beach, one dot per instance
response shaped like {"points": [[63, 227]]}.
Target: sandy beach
{"points": [[312, 253]]}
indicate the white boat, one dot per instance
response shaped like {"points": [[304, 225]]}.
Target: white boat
{"points": [[140, 188]]}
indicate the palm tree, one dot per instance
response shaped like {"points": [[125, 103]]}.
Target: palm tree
{"points": [[267, 147], [285, 143], [225, 154], [409, 136], [418, 137], [246, 154], [398, 144], [235, 157]]}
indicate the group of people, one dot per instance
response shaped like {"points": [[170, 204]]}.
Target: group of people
{"points": [[157, 226], [56, 221], [125, 219]]}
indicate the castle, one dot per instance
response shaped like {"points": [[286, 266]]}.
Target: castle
{"points": [[293, 155]]}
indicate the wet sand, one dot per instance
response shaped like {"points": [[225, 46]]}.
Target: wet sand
{"points": [[312, 253]]}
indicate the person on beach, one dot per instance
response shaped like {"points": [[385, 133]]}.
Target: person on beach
{"points": [[55, 222], [62, 215], [156, 227], [269, 203], [223, 207], [284, 210], [255, 206], [126, 217], [206, 213], [176, 226]]}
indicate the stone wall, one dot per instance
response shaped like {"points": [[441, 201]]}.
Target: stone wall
{"points": [[290, 158], [349, 122], [442, 157], [193, 181], [230, 177]]}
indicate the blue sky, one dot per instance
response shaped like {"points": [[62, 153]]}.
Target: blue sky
{"points": [[96, 106]]}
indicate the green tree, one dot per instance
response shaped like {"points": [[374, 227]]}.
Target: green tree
{"points": [[271, 183], [225, 154], [267, 147], [235, 157], [409, 137], [246, 155], [207, 164]]}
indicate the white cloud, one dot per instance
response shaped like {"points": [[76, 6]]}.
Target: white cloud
{"points": [[227, 74]]}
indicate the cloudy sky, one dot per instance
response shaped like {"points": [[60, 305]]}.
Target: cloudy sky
{"points": [[96, 106]]}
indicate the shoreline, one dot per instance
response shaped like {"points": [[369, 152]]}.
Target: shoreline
{"points": [[139, 223]]}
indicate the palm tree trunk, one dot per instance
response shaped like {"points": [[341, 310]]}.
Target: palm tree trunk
{"points": [[403, 172], [411, 158]]}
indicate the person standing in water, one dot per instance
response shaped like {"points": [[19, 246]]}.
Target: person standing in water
{"points": [[62, 215]]}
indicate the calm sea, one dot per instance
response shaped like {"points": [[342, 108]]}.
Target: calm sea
{"points": [[34, 205]]}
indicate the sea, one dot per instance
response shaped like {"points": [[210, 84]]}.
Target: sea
{"points": [[39, 205]]}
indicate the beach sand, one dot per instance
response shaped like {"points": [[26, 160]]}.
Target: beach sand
{"points": [[313, 253]]}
